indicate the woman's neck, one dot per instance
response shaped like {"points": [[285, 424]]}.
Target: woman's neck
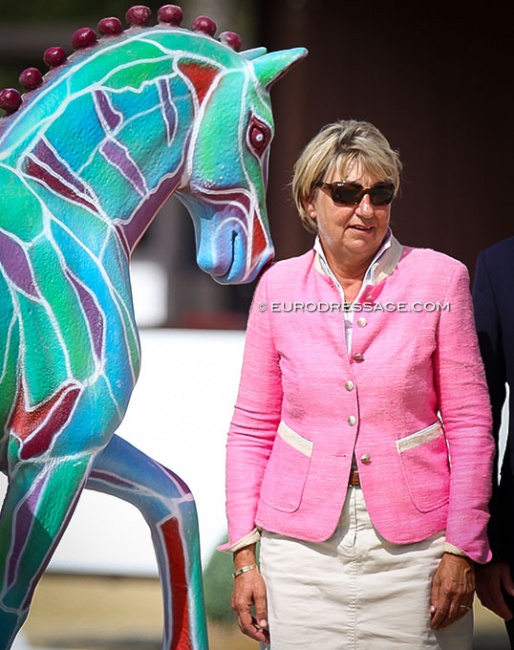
{"points": [[349, 273]]}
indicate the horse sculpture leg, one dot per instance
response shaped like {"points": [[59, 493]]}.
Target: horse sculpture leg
{"points": [[169, 509], [34, 515]]}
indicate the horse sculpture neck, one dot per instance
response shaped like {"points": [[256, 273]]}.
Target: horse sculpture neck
{"points": [[85, 163]]}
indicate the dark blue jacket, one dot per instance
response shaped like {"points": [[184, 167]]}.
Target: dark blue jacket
{"points": [[493, 297]]}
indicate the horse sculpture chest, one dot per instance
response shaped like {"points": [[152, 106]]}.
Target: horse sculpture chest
{"points": [[86, 161]]}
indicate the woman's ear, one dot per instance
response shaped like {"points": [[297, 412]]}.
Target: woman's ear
{"points": [[310, 210]]}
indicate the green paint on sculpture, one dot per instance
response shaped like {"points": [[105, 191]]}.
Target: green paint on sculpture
{"points": [[86, 160]]}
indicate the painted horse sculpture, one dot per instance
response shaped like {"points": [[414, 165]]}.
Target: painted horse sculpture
{"points": [[87, 157]]}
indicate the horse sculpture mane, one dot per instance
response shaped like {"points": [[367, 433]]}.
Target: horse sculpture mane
{"points": [[87, 157], [137, 17]]}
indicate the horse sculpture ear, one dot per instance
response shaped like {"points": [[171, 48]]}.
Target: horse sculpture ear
{"points": [[254, 53], [271, 67]]}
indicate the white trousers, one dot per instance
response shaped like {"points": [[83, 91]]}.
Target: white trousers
{"points": [[355, 591]]}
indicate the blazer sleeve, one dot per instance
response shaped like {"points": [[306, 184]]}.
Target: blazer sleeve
{"points": [[466, 414], [255, 420], [490, 338]]}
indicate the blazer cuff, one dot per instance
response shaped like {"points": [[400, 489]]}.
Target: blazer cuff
{"points": [[251, 538], [453, 550]]}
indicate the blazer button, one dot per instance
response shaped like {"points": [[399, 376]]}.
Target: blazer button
{"points": [[358, 357], [352, 420], [362, 322], [366, 458], [349, 385]]}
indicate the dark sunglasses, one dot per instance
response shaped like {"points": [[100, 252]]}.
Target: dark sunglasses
{"points": [[348, 193]]}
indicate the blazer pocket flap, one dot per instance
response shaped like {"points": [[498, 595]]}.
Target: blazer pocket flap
{"points": [[420, 437], [295, 440]]}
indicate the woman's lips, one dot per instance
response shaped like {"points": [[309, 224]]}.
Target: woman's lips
{"points": [[361, 228]]}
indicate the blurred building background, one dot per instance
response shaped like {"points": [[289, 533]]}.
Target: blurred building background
{"points": [[434, 76]]}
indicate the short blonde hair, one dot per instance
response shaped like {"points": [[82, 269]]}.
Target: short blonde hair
{"points": [[341, 145]]}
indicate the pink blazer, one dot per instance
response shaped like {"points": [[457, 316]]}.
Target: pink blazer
{"points": [[410, 400]]}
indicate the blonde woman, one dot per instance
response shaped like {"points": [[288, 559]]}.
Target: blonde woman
{"points": [[360, 449]]}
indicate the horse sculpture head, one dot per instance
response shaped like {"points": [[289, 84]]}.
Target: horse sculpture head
{"points": [[226, 178], [142, 113]]}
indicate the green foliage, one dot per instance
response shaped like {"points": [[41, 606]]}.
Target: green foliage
{"points": [[217, 586], [9, 76], [217, 583]]}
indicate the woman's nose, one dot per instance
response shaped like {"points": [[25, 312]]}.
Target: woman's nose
{"points": [[365, 207]]}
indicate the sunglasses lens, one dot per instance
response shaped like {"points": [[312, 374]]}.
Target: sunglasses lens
{"points": [[347, 193], [351, 193], [381, 194]]}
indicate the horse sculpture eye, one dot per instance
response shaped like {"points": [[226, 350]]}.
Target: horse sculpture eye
{"points": [[259, 136]]}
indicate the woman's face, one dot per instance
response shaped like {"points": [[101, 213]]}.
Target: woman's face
{"points": [[349, 232]]}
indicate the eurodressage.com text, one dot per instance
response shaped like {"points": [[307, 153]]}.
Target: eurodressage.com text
{"points": [[357, 307]]}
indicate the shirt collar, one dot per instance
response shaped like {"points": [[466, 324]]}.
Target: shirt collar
{"points": [[380, 260]]}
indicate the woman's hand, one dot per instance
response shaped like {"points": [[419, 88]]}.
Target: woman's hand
{"points": [[249, 589], [453, 589]]}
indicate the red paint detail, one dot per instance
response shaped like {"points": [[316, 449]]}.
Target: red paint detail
{"points": [[171, 15], [54, 183], [258, 136], [110, 26], [232, 40], [36, 428], [204, 25], [30, 78], [260, 239], [201, 76], [10, 100], [181, 639], [138, 16], [83, 37], [54, 57]]}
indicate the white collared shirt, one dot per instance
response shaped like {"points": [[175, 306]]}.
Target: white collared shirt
{"points": [[368, 279]]}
